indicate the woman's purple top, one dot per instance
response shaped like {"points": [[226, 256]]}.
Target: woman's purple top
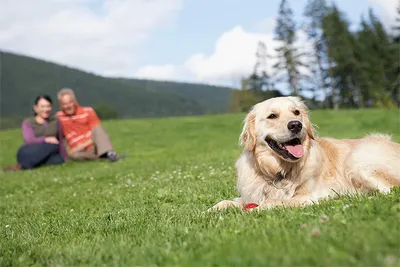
{"points": [[35, 133]]}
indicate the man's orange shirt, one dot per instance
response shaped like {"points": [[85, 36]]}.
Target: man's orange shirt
{"points": [[77, 129]]}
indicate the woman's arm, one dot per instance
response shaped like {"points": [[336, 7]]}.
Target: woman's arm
{"points": [[29, 134]]}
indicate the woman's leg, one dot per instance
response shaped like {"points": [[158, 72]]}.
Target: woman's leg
{"points": [[30, 156], [55, 160]]}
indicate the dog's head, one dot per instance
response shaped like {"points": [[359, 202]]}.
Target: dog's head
{"points": [[280, 124]]}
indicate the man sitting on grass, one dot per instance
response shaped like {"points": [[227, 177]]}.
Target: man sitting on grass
{"points": [[82, 130]]}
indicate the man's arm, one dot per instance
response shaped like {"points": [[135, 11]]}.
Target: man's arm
{"points": [[93, 118], [81, 146]]}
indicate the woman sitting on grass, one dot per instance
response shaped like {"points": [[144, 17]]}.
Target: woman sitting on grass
{"points": [[43, 141]]}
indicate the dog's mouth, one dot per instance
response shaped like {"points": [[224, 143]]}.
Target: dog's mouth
{"points": [[293, 149]]}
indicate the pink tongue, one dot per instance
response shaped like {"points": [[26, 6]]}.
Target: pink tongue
{"points": [[296, 150]]}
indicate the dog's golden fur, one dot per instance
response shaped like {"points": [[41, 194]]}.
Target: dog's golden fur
{"points": [[326, 168]]}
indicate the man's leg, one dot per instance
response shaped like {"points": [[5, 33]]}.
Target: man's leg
{"points": [[83, 155], [30, 156], [101, 140], [103, 144]]}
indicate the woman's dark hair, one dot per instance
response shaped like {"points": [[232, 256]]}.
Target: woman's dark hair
{"points": [[46, 97]]}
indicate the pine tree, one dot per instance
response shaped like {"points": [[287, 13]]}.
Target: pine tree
{"points": [[382, 63], [371, 68], [396, 27], [395, 85], [315, 11], [254, 82], [344, 66], [259, 80], [289, 58], [261, 68]]}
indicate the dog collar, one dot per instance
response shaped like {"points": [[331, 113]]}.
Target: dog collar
{"points": [[279, 177]]}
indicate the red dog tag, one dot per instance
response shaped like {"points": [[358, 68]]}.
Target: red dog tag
{"points": [[250, 206]]}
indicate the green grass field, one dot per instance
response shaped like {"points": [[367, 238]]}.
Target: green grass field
{"points": [[148, 209]]}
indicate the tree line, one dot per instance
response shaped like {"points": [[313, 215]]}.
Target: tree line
{"points": [[344, 69]]}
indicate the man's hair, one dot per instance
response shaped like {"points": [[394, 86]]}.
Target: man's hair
{"points": [[66, 91]]}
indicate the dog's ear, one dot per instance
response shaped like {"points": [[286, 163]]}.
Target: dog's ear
{"points": [[306, 119], [248, 136], [309, 126]]}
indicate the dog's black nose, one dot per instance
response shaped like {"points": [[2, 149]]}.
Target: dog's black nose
{"points": [[294, 126]]}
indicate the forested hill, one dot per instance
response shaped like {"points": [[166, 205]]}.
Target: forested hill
{"points": [[23, 78]]}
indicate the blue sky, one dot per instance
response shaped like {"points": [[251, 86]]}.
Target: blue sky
{"points": [[200, 24], [182, 40]]}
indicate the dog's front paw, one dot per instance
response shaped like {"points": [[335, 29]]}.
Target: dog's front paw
{"points": [[224, 204]]}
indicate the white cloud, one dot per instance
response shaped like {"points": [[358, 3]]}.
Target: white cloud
{"points": [[234, 55], [103, 36], [162, 72], [388, 9]]}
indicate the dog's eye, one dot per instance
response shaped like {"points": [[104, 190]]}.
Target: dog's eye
{"points": [[272, 116], [296, 112]]}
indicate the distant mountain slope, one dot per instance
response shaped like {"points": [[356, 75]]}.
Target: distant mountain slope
{"points": [[22, 78], [212, 98]]}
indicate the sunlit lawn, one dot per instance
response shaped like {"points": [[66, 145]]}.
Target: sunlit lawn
{"points": [[148, 209]]}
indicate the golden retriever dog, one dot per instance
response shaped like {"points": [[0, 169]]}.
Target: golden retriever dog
{"points": [[284, 164]]}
